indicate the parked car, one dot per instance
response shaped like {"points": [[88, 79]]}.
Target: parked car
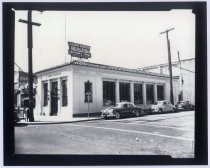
{"points": [[122, 109], [184, 105], [162, 106], [16, 118]]}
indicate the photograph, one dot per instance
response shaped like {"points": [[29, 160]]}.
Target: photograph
{"points": [[105, 82]]}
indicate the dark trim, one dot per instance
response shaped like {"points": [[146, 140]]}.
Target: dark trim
{"points": [[91, 114]]}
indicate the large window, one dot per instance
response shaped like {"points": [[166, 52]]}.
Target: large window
{"points": [[45, 88], [88, 92], [108, 93], [124, 91], [138, 98], [160, 92], [150, 94], [64, 93]]}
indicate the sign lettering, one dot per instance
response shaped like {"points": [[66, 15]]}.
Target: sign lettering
{"points": [[79, 50]]}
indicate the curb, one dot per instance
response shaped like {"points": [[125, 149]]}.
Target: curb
{"points": [[53, 122]]}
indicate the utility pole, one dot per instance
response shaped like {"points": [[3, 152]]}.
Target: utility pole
{"points": [[169, 63], [181, 79], [30, 65]]}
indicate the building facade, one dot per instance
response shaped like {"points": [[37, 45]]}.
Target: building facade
{"points": [[186, 73], [81, 87]]}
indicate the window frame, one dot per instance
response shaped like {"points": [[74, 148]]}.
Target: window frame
{"points": [[88, 90], [122, 95], [150, 101], [139, 92], [111, 87], [45, 94], [159, 98], [64, 103]]}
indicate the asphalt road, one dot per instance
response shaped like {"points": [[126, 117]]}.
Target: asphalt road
{"points": [[161, 134]]}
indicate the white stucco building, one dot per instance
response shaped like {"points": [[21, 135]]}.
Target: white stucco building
{"points": [[62, 90], [186, 71]]}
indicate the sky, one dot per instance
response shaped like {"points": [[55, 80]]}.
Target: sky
{"points": [[127, 39]]}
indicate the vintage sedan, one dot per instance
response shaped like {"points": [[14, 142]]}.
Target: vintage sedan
{"points": [[162, 106], [184, 105], [121, 109]]}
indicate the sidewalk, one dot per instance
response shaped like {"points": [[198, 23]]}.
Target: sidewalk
{"points": [[56, 121]]}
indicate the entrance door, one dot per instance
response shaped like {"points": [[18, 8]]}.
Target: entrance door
{"points": [[54, 99]]}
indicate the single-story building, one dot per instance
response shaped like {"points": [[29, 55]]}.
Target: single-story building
{"points": [[80, 87], [186, 71]]}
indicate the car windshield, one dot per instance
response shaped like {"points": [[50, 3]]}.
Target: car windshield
{"points": [[158, 102], [118, 105]]}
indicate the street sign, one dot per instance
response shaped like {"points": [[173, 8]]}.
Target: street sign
{"points": [[79, 50]]}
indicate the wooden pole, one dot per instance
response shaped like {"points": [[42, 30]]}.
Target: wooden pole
{"points": [[30, 62], [170, 65]]}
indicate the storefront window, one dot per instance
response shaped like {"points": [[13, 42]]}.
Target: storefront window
{"points": [[108, 93], [45, 87], [64, 93], [124, 92], [150, 94], [160, 92], [138, 98], [88, 91]]}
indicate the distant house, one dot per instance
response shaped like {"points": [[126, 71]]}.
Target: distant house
{"points": [[65, 90], [187, 72]]}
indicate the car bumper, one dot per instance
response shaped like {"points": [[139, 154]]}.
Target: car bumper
{"points": [[105, 115], [179, 108], [154, 110]]}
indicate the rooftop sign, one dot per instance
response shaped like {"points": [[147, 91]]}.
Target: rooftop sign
{"points": [[79, 50]]}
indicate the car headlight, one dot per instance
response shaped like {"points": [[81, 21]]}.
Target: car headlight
{"points": [[110, 110]]}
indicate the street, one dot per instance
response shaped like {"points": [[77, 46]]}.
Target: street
{"points": [[160, 134]]}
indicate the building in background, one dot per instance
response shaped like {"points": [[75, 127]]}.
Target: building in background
{"points": [[186, 73], [21, 91], [81, 87]]}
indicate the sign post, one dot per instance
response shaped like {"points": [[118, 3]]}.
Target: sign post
{"points": [[88, 99]]}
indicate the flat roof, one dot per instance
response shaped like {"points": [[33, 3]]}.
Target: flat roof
{"points": [[107, 67], [162, 65]]}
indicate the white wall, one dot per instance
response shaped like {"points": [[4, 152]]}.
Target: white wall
{"points": [[80, 77], [65, 112], [188, 77], [77, 76], [96, 77]]}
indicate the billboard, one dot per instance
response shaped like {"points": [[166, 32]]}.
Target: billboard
{"points": [[79, 50]]}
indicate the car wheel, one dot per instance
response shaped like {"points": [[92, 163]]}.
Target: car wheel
{"points": [[117, 115], [160, 111], [173, 110], [137, 113]]}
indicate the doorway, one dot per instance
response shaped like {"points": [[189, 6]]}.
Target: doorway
{"points": [[54, 99]]}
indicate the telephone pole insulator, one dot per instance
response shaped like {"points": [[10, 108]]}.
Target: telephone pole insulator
{"points": [[169, 63]]}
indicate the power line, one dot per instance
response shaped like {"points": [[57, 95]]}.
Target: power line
{"points": [[184, 69]]}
